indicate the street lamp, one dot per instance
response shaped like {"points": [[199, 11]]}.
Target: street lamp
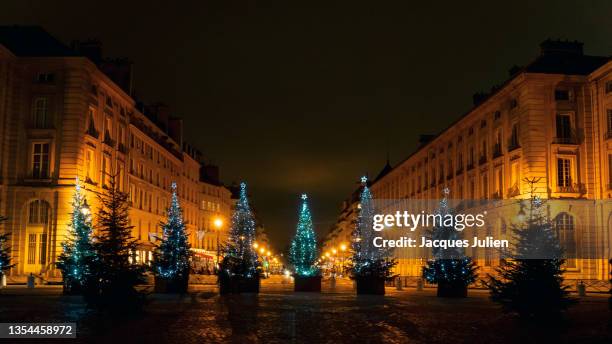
{"points": [[218, 222]]}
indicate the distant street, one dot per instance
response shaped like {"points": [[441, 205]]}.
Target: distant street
{"points": [[277, 315]]}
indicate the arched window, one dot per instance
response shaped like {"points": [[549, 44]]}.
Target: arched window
{"points": [[565, 229]]}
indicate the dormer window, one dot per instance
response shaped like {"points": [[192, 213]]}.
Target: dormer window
{"points": [[513, 103], [609, 86], [45, 78], [497, 115], [562, 95]]}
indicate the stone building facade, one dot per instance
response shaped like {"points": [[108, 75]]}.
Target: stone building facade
{"points": [[64, 116], [551, 122]]}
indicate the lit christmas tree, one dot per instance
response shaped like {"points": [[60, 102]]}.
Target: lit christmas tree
{"points": [[450, 269], [240, 258], [530, 283], [172, 255], [116, 271], [5, 251], [78, 254], [368, 260], [303, 251]]}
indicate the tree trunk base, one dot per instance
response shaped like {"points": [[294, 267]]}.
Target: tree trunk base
{"points": [[171, 285]]}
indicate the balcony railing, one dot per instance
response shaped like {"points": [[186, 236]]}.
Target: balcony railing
{"points": [[122, 148], [482, 160], [608, 135], [449, 176], [108, 140], [513, 191], [91, 131], [570, 138], [577, 188], [470, 166], [459, 170], [513, 144]]}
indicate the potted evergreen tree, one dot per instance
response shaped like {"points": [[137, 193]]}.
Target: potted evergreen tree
{"points": [[303, 253], [239, 270], [171, 256], [450, 269], [371, 266], [78, 254]]}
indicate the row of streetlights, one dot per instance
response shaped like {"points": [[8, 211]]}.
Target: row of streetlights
{"points": [[332, 254]]}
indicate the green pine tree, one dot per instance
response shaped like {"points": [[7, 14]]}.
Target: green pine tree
{"points": [[5, 251], [78, 254], [451, 268], [173, 253], [240, 257], [115, 270], [530, 283], [303, 251], [368, 260]]}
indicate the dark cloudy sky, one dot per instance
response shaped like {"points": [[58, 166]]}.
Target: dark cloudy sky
{"points": [[297, 97]]}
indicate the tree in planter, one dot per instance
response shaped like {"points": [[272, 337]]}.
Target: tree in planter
{"points": [[78, 254], [239, 269], [450, 269], [303, 252], [5, 252], [530, 283], [171, 257], [370, 265], [115, 271]]}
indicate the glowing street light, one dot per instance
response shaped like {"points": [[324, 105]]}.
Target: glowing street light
{"points": [[218, 223]]}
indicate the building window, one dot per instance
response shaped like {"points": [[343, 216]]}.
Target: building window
{"points": [[38, 213], [609, 171], [45, 78], [562, 95], [89, 166], [106, 170], [31, 248], [609, 124], [514, 137], [564, 127], [40, 113], [40, 161], [564, 226], [609, 86], [485, 186], [497, 115], [91, 123], [564, 175]]}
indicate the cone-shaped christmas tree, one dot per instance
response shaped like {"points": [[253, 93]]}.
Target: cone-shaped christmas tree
{"points": [[369, 263], [78, 254], [303, 251], [171, 257], [530, 283], [450, 269], [239, 268]]}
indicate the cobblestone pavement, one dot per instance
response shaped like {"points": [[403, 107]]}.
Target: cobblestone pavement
{"points": [[277, 315]]}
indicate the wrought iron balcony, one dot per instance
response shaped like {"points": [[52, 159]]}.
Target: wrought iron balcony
{"points": [[577, 188], [513, 144], [482, 160], [497, 152]]}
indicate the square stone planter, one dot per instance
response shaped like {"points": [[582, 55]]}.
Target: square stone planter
{"points": [[370, 286], [446, 289], [307, 284], [238, 284], [171, 285]]}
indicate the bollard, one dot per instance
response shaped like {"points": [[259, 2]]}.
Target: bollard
{"points": [[581, 288], [398, 283], [31, 281], [419, 286], [3, 281]]}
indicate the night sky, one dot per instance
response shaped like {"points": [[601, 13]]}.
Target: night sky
{"points": [[294, 97]]}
